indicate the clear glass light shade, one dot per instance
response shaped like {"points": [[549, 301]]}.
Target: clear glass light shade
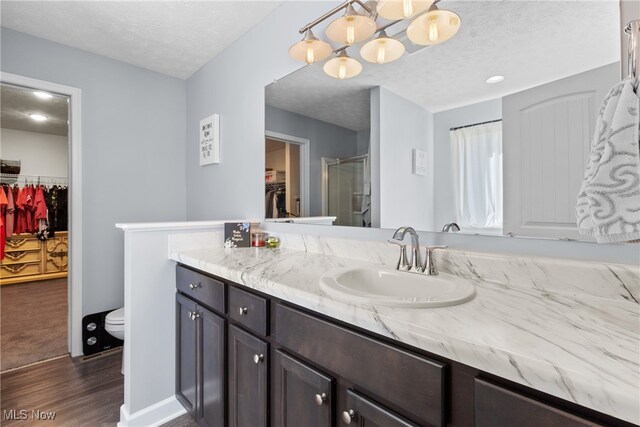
{"points": [[310, 49], [351, 27], [402, 9], [434, 27], [382, 49], [342, 67]]}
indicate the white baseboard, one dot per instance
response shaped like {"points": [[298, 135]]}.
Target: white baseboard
{"points": [[152, 416]]}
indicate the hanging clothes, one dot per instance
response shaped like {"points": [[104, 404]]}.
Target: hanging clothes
{"points": [[9, 213], [3, 206]]}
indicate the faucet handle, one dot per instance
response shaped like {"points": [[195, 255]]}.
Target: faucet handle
{"points": [[403, 263], [429, 265]]}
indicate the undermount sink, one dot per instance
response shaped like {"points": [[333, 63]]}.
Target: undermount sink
{"points": [[397, 288]]}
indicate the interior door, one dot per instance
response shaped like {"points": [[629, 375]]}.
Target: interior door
{"points": [[212, 378]]}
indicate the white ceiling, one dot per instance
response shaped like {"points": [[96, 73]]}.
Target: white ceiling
{"points": [[17, 103], [529, 42], [171, 37]]}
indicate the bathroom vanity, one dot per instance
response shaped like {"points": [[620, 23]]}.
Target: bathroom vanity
{"points": [[266, 352]]}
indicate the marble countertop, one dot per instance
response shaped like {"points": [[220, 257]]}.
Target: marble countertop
{"points": [[579, 347]]}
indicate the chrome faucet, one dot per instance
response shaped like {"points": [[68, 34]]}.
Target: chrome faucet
{"points": [[415, 265], [452, 226]]}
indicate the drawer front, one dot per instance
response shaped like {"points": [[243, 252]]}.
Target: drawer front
{"points": [[249, 310], [27, 243], [410, 382], [57, 255], [20, 269], [368, 412], [20, 256], [499, 407], [204, 289]]}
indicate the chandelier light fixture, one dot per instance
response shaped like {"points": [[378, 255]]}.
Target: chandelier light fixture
{"points": [[432, 27]]}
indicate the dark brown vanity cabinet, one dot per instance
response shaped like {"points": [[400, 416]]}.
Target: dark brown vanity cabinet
{"points": [[248, 374], [200, 351], [244, 359]]}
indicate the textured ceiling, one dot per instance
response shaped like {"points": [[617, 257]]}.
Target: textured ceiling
{"points": [[17, 103], [528, 42], [171, 37]]}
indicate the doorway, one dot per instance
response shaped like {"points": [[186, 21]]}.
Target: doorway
{"points": [[286, 176], [44, 268]]}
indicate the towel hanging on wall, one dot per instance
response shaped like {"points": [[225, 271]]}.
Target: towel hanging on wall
{"points": [[609, 199]]}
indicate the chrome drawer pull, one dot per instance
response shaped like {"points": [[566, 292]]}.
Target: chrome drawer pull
{"points": [[321, 398], [242, 311]]}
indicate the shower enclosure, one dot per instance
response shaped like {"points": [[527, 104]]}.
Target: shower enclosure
{"points": [[343, 189]]}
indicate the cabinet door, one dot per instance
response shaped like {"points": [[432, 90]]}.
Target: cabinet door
{"points": [[211, 353], [248, 367], [302, 395], [186, 354], [363, 412]]}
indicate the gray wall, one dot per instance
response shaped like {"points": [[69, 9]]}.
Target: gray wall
{"points": [[405, 198], [444, 199], [233, 85], [325, 140], [362, 141], [133, 149]]}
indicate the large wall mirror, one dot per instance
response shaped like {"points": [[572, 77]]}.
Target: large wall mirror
{"points": [[433, 142]]}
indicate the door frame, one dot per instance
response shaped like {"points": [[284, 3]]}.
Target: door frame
{"points": [[74, 281], [304, 165]]}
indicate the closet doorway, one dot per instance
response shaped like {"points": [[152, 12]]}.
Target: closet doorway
{"points": [[40, 269], [286, 176]]}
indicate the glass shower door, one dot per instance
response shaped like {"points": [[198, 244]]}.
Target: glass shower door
{"points": [[344, 185]]}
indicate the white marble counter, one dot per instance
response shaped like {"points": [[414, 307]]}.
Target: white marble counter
{"points": [[579, 347]]}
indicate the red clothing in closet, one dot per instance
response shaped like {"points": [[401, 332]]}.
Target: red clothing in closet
{"points": [[40, 206], [9, 215], [3, 205]]}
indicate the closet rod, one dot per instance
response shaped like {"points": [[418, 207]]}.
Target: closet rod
{"points": [[61, 180], [475, 124]]}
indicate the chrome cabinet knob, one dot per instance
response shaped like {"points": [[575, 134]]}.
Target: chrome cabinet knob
{"points": [[348, 416], [257, 358], [193, 315], [321, 398], [242, 311], [193, 286]]}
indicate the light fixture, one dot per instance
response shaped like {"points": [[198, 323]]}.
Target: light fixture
{"points": [[310, 49], [434, 27], [402, 9], [42, 95], [342, 66], [494, 79], [351, 27], [38, 117], [382, 49]]}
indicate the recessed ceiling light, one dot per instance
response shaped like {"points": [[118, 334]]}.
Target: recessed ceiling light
{"points": [[43, 95], [38, 117], [494, 79]]}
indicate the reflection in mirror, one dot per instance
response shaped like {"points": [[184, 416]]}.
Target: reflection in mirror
{"points": [[504, 112]]}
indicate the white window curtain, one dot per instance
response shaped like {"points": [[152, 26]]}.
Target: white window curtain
{"points": [[477, 170]]}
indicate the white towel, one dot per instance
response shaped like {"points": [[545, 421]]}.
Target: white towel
{"points": [[609, 200]]}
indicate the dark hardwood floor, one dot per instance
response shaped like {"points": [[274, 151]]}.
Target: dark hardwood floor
{"points": [[80, 393]]}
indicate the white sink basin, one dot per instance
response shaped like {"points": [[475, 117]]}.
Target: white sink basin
{"points": [[397, 288]]}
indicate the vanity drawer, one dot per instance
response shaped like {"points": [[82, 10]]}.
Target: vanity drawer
{"points": [[497, 406], [408, 381], [204, 289], [249, 310]]}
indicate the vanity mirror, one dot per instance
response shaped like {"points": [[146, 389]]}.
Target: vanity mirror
{"points": [[490, 130]]}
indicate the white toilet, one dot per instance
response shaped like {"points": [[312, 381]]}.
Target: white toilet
{"points": [[114, 324]]}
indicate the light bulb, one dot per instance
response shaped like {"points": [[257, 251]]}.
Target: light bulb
{"points": [[342, 71], [407, 8], [381, 53], [433, 28], [351, 34], [310, 55]]}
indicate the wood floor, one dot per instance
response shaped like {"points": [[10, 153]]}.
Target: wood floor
{"points": [[79, 393], [33, 322]]}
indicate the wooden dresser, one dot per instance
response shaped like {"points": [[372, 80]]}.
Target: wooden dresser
{"points": [[27, 259]]}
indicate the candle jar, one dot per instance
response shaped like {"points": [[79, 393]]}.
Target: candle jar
{"points": [[259, 240]]}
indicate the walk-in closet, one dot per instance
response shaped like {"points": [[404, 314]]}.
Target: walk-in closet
{"points": [[34, 244]]}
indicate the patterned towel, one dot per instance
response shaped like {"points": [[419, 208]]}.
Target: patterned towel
{"points": [[609, 200]]}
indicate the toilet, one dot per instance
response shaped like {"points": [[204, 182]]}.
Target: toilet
{"points": [[114, 324]]}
